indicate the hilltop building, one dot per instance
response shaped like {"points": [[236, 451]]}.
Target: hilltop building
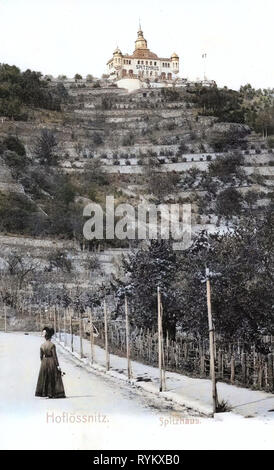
{"points": [[142, 64]]}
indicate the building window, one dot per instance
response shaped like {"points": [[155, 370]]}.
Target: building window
{"points": [[129, 62], [138, 62], [168, 64], [155, 63]]}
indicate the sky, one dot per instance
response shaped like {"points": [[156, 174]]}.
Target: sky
{"points": [[79, 36]]}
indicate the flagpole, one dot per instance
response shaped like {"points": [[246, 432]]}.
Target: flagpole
{"points": [[204, 57]]}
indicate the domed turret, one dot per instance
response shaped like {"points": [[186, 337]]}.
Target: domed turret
{"points": [[117, 58], [175, 62], [140, 42], [117, 51]]}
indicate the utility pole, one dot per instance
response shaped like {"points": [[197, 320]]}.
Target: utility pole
{"points": [[211, 343]]}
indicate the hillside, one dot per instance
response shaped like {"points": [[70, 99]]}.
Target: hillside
{"points": [[185, 144], [138, 140]]}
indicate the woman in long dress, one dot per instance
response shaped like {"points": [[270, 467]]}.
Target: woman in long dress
{"points": [[50, 383]]}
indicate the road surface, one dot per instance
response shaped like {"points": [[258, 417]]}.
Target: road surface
{"points": [[100, 413]]}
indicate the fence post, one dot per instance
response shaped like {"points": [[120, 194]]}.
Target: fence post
{"points": [[270, 371], [232, 369], [59, 323], [91, 337], [163, 354], [65, 326], [254, 366], [106, 335], [80, 333], [127, 340], [54, 319], [211, 344], [243, 361], [71, 329], [5, 317], [167, 348], [160, 331]]}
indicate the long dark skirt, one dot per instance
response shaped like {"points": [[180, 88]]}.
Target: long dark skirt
{"points": [[50, 383]]}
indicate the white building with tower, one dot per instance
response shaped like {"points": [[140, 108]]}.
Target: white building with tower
{"points": [[142, 65]]}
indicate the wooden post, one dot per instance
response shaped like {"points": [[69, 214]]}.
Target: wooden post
{"points": [[65, 326], [71, 329], [54, 320], [80, 334], [232, 369], [59, 324], [243, 364], [91, 337], [163, 354], [106, 335], [254, 366], [167, 348], [5, 317], [159, 339], [211, 344], [127, 340]]}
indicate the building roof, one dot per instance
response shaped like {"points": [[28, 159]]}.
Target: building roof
{"points": [[141, 51], [144, 54]]}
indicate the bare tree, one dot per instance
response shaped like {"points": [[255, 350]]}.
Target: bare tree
{"points": [[20, 268]]}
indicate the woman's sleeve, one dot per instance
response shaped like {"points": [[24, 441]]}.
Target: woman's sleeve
{"points": [[55, 355], [41, 354]]}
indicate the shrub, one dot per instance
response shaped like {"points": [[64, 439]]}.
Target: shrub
{"points": [[228, 202], [97, 139], [45, 148], [15, 145], [128, 139], [16, 162], [224, 166], [270, 142]]}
